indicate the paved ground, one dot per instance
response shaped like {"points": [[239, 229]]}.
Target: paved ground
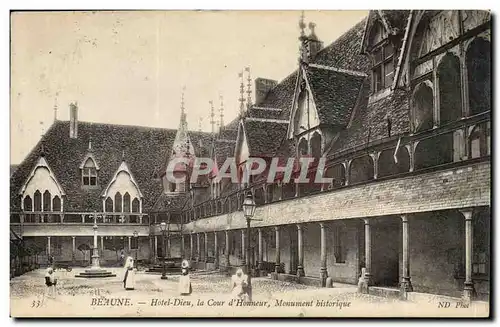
{"points": [[211, 297]]}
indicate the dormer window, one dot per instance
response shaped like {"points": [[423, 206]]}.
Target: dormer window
{"points": [[382, 55], [89, 173]]}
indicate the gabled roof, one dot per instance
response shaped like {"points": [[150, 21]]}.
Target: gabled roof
{"points": [[123, 167], [144, 148], [41, 162], [264, 137], [267, 113], [281, 96], [344, 52], [334, 92]]}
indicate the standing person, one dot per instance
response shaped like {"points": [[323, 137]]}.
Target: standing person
{"points": [[239, 285], [122, 258], [129, 274], [50, 282], [184, 280]]}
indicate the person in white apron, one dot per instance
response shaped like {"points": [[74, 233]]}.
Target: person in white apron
{"points": [[129, 274], [184, 280], [239, 283], [50, 282]]}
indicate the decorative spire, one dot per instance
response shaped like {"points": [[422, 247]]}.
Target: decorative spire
{"points": [[123, 154], [183, 109], [90, 143], [55, 108], [242, 95], [249, 88], [221, 110], [302, 25], [200, 120], [212, 115], [303, 40]]}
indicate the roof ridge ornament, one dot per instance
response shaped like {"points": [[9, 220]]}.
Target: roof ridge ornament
{"points": [[242, 96], [212, 115], [249, 88], [221, 110]]}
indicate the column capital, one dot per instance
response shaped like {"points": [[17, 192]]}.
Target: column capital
{"points": [[48, 237], [404, 218], [367, 221], [467, 213], [276, 228], [299, 227], [322, 225], [73, 237]]}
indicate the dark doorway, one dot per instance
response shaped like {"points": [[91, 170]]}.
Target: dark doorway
{"points": [[386, 241]]}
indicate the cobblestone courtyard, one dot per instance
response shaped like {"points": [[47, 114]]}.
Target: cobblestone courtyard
{"points": [[211, 297]]}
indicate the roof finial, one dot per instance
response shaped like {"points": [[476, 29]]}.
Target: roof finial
{"points": [[249, 88], [303, 40], [90, 143], [55, 107], [242, 96], [221, 110], [200, 120], [212, 115], [302, 24], [123, 154]]}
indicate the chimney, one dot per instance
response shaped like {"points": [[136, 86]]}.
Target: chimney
{"points": [[262, 87], [73, 120]]}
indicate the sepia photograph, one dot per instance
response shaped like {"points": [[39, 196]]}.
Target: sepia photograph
{"points": [[245, 163]]}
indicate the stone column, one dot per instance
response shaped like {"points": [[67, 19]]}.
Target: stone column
{"points": [[205, 250], [198, 247], [323, 270], [261, 251], [277, 263], [469, 291], [73, 249], [48, 247], [169, 246], [156, 248], [95, 256], [183, 254], [368, 257], [300, 245], [102, 244], [406, 282], [130, 244], [243, 252], [216, 250], [227, 249], [191, 247]]}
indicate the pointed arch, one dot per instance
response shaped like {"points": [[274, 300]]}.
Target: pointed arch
{"points": [[47, 201], [478, 61], [37, 199], [126, 202], [56, 204], [118, 202], [27, 203], [108, 206], [423, 106], [316, 145], [135, 205], [302, 148], [450, 101]]}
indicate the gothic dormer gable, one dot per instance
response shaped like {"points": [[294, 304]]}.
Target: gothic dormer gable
{"points": [[122, 182]]}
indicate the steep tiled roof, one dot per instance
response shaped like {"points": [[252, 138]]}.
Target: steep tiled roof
{"points": [[264, 137], [344, 53], [12, 169], [228, 133], [281, 96], [166, 202], [396, 18], [145, 150], [202, 142], [257, 112], [370, 120], [223, 150], [335, 94]]}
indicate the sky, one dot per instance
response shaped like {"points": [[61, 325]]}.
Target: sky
{"points": [[131, 68]]}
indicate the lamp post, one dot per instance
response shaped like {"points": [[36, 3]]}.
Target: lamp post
{"points": [[136, 246], [249, 211], [163, 228]]}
